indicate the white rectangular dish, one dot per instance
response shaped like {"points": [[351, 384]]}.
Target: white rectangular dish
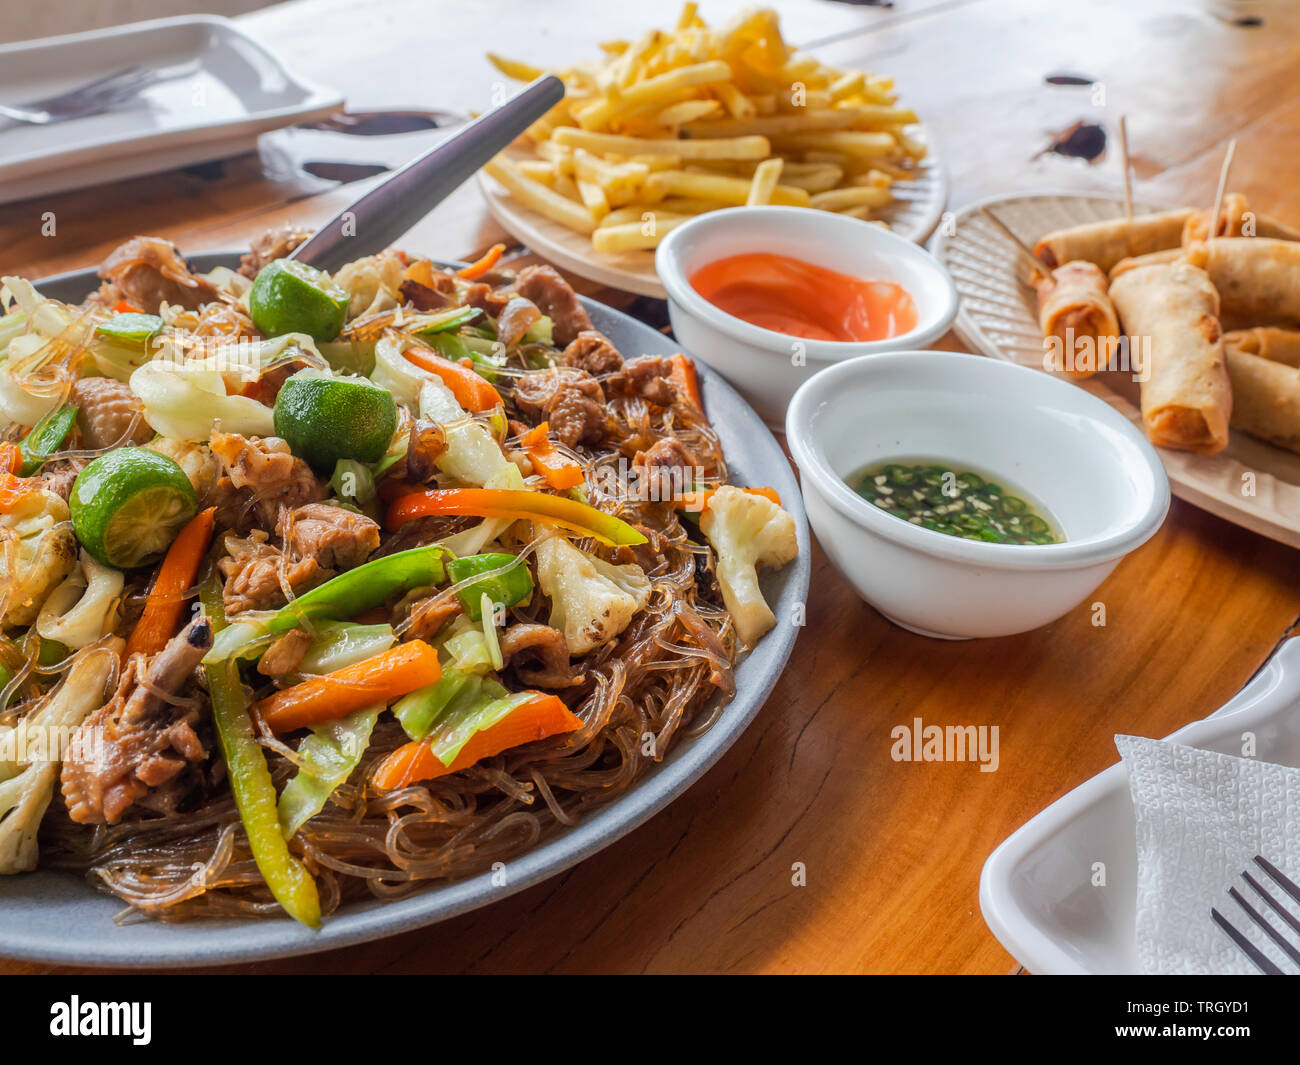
{"points": [[230, 90], [1037, 890]]}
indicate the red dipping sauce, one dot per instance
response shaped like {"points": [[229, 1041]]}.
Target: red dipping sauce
{"points": [[800, 299]]}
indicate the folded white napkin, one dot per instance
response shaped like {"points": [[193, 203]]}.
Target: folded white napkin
{"points": [[1201, 819]]}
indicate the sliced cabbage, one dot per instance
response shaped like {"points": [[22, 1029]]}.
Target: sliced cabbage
{"points": [[184, 400], [326, 759]]}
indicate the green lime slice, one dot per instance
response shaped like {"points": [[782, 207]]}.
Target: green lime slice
{"points": [[326, 418], [135, 327], [292, 297], [129, 504]]}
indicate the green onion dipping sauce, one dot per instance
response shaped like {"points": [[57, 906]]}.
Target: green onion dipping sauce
{"points": [[954, 501]]}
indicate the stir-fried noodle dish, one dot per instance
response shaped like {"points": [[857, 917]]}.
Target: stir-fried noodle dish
{"points": [[319, 588]]}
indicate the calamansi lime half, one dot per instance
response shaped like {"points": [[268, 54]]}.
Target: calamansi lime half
{"points": [[292, 297], [325, 418], [129, 504]]}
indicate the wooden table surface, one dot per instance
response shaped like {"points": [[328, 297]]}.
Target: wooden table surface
{"points": [[892, 851]]}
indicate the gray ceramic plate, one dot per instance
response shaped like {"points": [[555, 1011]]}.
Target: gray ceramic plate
{"points": [[58, 917]]}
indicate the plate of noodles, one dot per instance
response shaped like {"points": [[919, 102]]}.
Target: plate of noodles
{"points": [[337, 606], [693, 118], [1197, 342]]}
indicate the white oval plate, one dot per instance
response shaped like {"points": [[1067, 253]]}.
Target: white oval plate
{"points": [[1036, 890], [58, 917], [916, 210], [1250, 483]]}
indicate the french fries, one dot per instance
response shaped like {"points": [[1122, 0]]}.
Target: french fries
{"points": [[692, 119]]}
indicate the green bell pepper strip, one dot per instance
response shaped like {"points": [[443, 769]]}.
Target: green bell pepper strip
{"points": [[250, 780], [345, 596], [45, 438], [328, 757], [505, 589]]}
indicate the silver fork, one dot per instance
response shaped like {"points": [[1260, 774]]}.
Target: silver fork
{"points": [[1261, 961], [93, 98]]}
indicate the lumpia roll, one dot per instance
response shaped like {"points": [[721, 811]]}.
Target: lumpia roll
{"points": [[1258, 279], [1077, 318], [1265, 398], [1266, 342], [1106, 243], [1236, 220], [1168, 255], [1170, 312]]}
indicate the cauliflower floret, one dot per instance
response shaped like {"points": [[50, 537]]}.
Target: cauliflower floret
{"points": [[747, 531], [201, 466], [84, 607], [592, 601], [26, 787], [37, 541]]}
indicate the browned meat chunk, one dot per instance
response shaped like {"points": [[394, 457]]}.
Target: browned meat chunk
{"points": [[515, 320], [253, 569], [274, 244], [557, 301], [665, 470], [284, 655], [58, 476], [423, 447], [648, 377], [423, 298], [592, 351], [263, 474], [109, 413], [149, 271], [570, 399], [486, 298], [138, 745], [543, 656], [334, 537]]}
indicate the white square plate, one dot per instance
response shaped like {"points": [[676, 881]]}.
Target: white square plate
{"points": [[1036, 891], [232, 89]]}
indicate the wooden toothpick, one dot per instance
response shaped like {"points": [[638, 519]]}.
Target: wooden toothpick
{"points": [[1128, 178], [1223, 184], [1024, 250]]}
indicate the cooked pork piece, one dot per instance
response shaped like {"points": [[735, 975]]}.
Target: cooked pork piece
{"points": [[149, 271], [556, 299], [539, 656], [570, 399], [107, 410], [135, 749]]}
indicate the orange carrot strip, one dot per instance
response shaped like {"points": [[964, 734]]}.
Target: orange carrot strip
{"points": [[380, 679], [126, 307], [12, 487], [683, 374], [483, 265], [558, 472], [166, 602], [534, 720], [471, 391]]}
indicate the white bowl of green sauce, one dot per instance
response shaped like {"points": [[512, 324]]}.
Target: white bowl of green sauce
{"points": [[966, 497]]}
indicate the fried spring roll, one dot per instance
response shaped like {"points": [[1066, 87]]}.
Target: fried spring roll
{"points": [[1258, 279], [1266, 342], [1077, 318], [1106, 243], [1265, 398], [1171, 312], [1166, 256], [1236, 220]]}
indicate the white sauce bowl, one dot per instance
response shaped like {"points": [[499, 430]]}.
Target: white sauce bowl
{"points": [[767, 367], [1068, 450]]}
